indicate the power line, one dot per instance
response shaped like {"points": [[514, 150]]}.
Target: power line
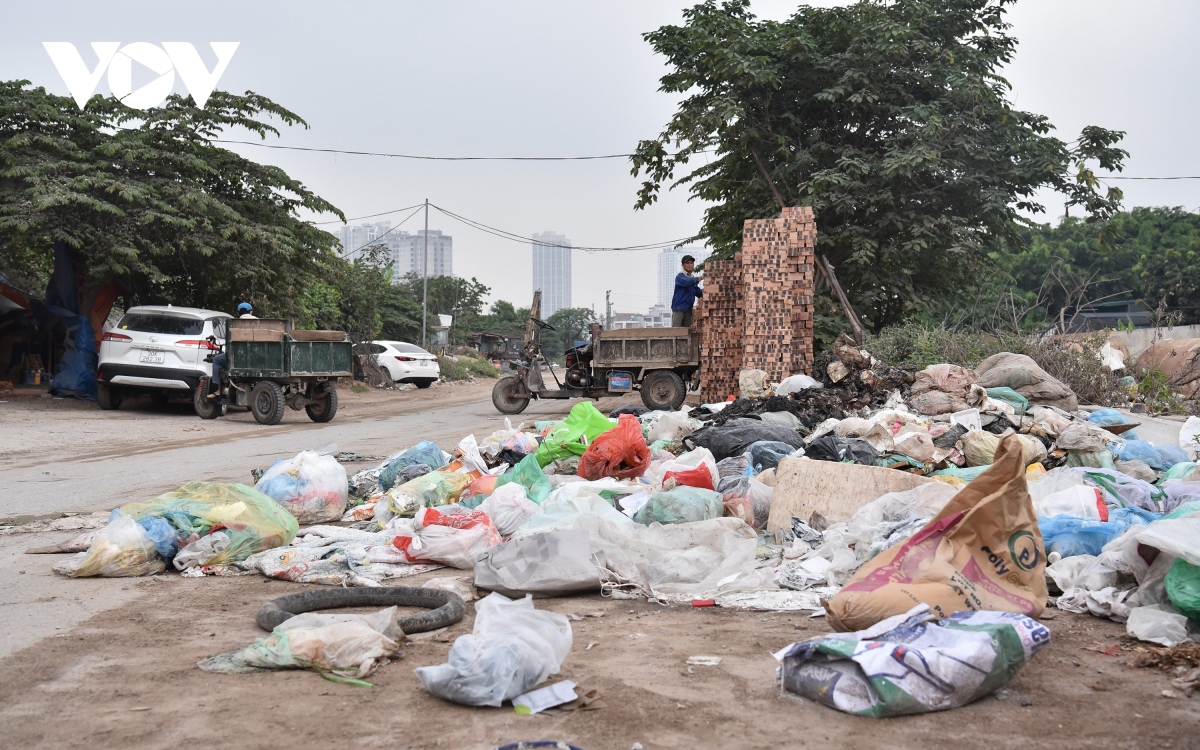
{"points": [[427, 158], [385, 234], [1122, 177], [513, 237], [368, 216]]}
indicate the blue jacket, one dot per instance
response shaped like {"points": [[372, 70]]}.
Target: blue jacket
{"points": [[687, 289]]}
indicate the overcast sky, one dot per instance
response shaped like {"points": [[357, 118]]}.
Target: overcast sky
{"points": [[496, 77]]}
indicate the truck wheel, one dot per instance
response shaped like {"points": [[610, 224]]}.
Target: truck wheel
{"points": [[109, 397], [323, 409], [506, 396], [663, 390], [266, 402], [204, 407]]}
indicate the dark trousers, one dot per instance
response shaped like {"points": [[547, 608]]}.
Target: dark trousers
{"points": [[681, 318], [219, 364]]}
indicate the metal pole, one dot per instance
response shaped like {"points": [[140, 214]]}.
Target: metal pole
{"points": [[425, 280], [607, 311]]}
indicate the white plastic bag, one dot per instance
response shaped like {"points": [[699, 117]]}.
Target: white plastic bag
{"points": [[512, 648], [563, 507], [121, 549], [312, 487], [551, 564], [795, 384], [672, 425], [200, 552], [1157, 624], [684, 462], [1189, 437], [508, 507]]}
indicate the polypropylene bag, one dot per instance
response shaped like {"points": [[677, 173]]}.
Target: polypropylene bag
{"points": [[573, 435], [983, 550], [312, 487], [700, 476], [512, 648], [425, 452], [1007, 395], [253, 521], [1023, 375], [453, 539], [428, 491], [736, 435], [621, 452], [121, 549], [680, 505], [766, 454], [945, 378], [913, 662], [509, 508], [528, 473], [552, 564]]}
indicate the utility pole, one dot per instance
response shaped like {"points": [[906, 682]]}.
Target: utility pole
{"points": [[425, 280], [607, 310]]}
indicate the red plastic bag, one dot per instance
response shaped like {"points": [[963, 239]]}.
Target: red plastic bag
{"points": [[620, 452], [453, 539], [701, 477]]}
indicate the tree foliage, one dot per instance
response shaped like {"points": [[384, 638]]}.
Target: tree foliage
{"points": [[147, 198], [571, 324], [448, 295], [890, 119]]}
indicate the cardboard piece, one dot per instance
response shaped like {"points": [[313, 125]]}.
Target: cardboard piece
{"points": [[835, 490], [983, 551]]}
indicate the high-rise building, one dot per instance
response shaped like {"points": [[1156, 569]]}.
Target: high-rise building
{"points": [[668, 268], [407, 250], [552, 271]]}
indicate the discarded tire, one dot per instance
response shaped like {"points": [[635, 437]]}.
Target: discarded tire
{"points": [[445, 607]]}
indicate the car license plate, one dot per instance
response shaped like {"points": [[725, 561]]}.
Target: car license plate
{"points": [[154, 358]]}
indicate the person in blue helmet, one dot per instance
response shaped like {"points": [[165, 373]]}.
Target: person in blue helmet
{"points": [[687, 289], [245, 310]]}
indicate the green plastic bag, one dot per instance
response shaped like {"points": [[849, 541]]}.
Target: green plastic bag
{"points": [[681, 505], [427, 491], [1098, 459], [573, 435], [1010, 397], [967, 474], [1180, 471], [528, 474], [1183, 588], [253, 520]]}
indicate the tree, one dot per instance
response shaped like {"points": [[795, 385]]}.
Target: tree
{"points": [[146, 197], [571, 324], [890, 119], [450, 295], [505, 319]]}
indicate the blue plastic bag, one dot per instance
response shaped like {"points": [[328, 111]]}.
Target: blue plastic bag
{"points": [[425, 452], [1140, 450], [163, 534], [1109, 417], [766, 454], [1171, 455], [967, 474], [1072, 535]]}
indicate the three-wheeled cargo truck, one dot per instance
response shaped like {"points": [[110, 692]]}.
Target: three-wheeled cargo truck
{"points": [[271, 365], [661, 363]]}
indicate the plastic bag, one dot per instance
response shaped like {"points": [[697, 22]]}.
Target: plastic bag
{"points": [[1189, 438], [696, 458], [1136, 469], [481, 487], [795, 384], [1108, 418], [1008, 396], [912, 663], [746, 498], [552, 564], [843, 450], [528, 473], [253, 521], [508, 439], [425, 452], [312, 487], [433, 489], [1140, 450], [1081, 501], [766, 454], [1183, 588], [700, 476], [1171, 455], [620, 452], [680, 505], [1072, 535], [509, 508], [199, 553], [734, 466], [566, 504], [1157, 624], [671, 426], [121, 549], [983, 550], [573, 435], [1184, 472], [164, 536], [453, 539], [736, 435], [512, 648]]}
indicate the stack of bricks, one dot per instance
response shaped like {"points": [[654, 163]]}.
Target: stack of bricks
{"points": [[757, 309]]}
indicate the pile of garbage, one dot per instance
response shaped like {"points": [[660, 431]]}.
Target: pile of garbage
{"points": [[999, 491]]}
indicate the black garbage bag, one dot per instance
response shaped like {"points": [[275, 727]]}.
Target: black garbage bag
{"points": [[735, 436], [832, 448], [766, 454], [633, 409], [950, 437]]}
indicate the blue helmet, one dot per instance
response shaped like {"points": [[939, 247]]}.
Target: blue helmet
{"points": [[245, 307]]}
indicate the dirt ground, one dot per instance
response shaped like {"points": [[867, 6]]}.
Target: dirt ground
{"points": [[127, 678]]}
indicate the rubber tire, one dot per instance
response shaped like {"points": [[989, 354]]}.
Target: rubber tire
{"points": [[424, 382], [663, 390], [109, 397], [445, 607], [267, 402], [325, 409], [503, 399], [204, 408]]}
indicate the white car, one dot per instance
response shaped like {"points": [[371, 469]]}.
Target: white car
{"points": [[157, 349], [407, 363]]}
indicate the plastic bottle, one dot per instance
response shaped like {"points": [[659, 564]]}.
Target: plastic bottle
{"points": [[1082, 501]]}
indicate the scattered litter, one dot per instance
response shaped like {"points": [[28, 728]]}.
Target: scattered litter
{"points": [[704, 661]]}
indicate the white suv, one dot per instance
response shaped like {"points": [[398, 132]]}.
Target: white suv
{"points": [[407, 363], [159, 350]]}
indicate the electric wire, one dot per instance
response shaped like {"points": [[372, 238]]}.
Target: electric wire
{"points": [[424, 157], [385, 234], [368, 216]]}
